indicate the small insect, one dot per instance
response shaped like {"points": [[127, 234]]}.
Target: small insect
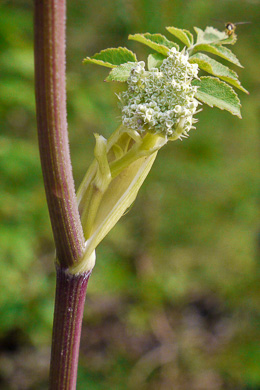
{"points": [[231, 27]]}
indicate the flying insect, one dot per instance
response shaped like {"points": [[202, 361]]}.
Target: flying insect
{"points": [[231, 27]]}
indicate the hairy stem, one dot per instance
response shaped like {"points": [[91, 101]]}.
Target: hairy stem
{"points": [[69, 306], [49, 26], [50, 86]]}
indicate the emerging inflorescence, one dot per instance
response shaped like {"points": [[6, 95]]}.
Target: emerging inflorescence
{"points": [[161, 100]]}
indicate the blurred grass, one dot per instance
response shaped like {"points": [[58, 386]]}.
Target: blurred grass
{"points": [[173, 301]]}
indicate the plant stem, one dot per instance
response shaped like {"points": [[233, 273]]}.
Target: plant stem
{"points": [[69, 306], [50, 88]]}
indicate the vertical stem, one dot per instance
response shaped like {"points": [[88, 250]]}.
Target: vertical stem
{"points": [[50, 86], [69, 306], [50, 89]]}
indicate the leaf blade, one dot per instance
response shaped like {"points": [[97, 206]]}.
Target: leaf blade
{"points": [[155, 60], [157, 42], [112, 57], [218, 50], [181, 35], [190, 35], [212, 35], [121, 73], [217, 93], [217, 69]]}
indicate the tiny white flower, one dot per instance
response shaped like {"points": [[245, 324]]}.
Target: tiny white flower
{"points": [[177, 109]]}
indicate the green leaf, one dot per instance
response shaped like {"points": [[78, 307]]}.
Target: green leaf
{"points": [[200, 34], [183, 35], [112, 57], [121, 73], [155, 60], [230, 40], [212, 35], [217, 69], [190, 36], [216, 93], [219, 51], [157, 42]]}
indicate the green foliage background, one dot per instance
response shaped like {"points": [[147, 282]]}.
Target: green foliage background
{"points": [[173, 300]]}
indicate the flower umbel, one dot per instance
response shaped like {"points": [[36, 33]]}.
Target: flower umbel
{"points": [[161, 100]]}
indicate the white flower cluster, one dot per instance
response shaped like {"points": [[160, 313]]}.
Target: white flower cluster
{"points": [[161, 100]]}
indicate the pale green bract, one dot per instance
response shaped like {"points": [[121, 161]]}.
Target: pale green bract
{"points": [[161, 100]]}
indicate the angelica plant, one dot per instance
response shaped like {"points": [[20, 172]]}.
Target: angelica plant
{"points": [[159, 104]]}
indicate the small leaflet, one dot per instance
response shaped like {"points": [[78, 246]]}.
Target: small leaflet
{"points": [[157, 42], [212, 35], [219, 51], [183, 35], [155, 60], [121, 73], [216, 69], [214, 92], [112, 57]]}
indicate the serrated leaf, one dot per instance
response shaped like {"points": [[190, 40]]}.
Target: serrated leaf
{"points": [[217, 69], [199, 33], [157, 42], [230, 40], [121, 73], [155, 60], [212, 35], [219, 51], [112, 57], [216, 93], [181, 35], [190, 35]]}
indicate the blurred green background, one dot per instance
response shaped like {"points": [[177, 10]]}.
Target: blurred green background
{"points": [[172, 302]]}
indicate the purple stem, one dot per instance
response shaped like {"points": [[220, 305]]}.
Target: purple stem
{"points": [[50, 89], [69, 307]]}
